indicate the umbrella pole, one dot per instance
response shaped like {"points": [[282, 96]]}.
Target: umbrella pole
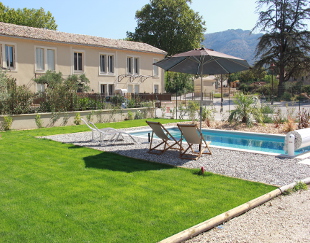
{"points": [[221, 93], [176, 105], [201, 99]]}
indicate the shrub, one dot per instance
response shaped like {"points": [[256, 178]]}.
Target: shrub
{"points": [[300, 186], [245, 110], [278, 118], [83, 103], [207, 115], [138, 115], [286, 96], [192, 108], [130, 115], [39, 121], [289, 125], [60, 93], [118, 100], [89, 116], [267, 109], [14, 99], [77, 119], [182, 111], [303, 118], [7, 123]]}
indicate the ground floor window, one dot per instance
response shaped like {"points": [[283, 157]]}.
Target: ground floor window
{"points": [[156, 88], [107, 89]]}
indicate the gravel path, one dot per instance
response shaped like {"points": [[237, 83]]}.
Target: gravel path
{"points": [[283, 219]]}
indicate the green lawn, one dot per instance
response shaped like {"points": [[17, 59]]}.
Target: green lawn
{"points": [[54, 192]]}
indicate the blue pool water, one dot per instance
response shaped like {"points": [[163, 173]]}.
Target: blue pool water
{"points": [[239, 140]]}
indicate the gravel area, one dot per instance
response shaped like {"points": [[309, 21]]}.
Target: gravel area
{"points": [[278, 171], [283, 219]]}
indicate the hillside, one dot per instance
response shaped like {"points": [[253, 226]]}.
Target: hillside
{"points": [[239, 43]]}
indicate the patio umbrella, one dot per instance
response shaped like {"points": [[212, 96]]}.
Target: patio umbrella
{"points": [[203, 61]]}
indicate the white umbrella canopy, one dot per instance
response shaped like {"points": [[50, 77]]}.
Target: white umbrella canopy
{"points": [[201, 62]]}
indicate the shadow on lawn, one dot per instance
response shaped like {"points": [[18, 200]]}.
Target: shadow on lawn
{"points": [[115, 162]]}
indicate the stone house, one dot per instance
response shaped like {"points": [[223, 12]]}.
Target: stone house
{"points": [[110, 65]]}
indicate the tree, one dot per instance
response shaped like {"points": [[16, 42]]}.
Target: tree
{"points": [[286, 39], [28, 17], [170, 25], [178, 83]]}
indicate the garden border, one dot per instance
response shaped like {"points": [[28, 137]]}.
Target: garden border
{"points": [[28, 121]]}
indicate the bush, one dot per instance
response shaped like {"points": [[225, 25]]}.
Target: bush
{"points": [[77, 119], [192, 108], [6, 123], [39, 121], [14, 99], [208, 116], [60, 93], [118, 100], [286, 96], [139, 115], [130, 115], [83, 103], [245, 110]]}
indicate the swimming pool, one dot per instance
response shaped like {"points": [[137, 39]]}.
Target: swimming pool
{"points": [[263, 143]]}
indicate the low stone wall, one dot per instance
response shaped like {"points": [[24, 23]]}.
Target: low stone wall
{"points": [[28, 121]]}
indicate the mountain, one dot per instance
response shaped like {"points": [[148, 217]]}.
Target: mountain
{"points": [[238, 43]]}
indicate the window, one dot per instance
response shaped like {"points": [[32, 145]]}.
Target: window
{"points": [[78, 61], [133, 65], [50, 55], [111, 89], [107, 89], [155, 68], [136, 67], [10, 56], [111, 64], [40, 87], [45, 59], [129, 88], [129, 65], [102, 64], [156, 87], [103, 89], [106, 63], [136, 89], [40, 59]]}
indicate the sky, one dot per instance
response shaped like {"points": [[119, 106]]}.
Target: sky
{"points": [[113, 18]]}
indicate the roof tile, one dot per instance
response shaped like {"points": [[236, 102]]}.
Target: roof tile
{"points": [[57, 36]]}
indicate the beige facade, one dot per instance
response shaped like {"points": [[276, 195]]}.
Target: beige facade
{"points": [[209, 84], [110, 65]]}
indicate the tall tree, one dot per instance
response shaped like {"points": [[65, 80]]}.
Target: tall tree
{"points": [[170, 25], [27, 17], [173, 26], [179, 83], [286, 39]]}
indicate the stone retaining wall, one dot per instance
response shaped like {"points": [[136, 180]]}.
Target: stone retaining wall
{"points": [[28, 121]]}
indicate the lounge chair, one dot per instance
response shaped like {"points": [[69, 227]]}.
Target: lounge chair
{"points": [[112, 135], [94, 129], [193, 136], [162, 133]]}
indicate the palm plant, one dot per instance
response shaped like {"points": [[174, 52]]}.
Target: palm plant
{"points": [[245, 110]]}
